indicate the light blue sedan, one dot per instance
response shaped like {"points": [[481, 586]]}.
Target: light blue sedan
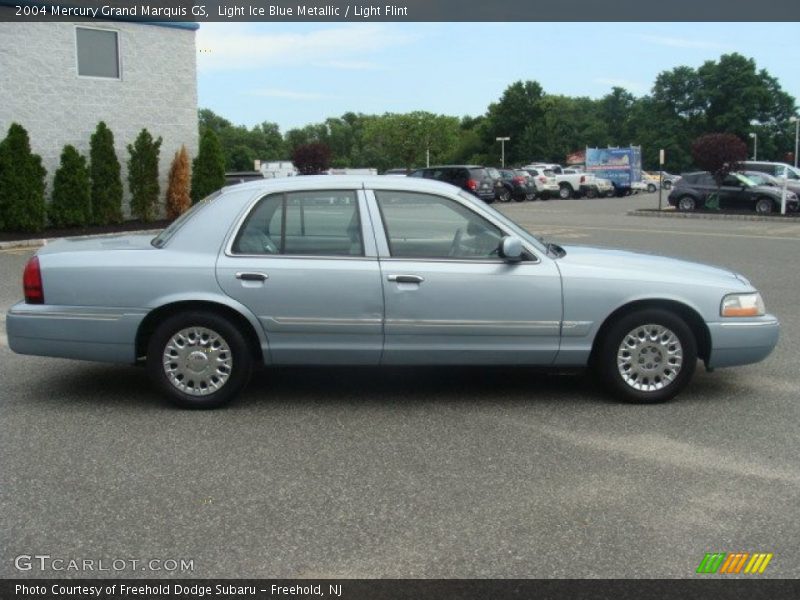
{"points": [[337, 270]]}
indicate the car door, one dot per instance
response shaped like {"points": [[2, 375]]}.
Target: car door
{"points": [[733, 194], [302, 263], [449, 298]]}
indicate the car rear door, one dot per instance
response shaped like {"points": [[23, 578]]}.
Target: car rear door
{"points": [[449, 298], [305, 264]]}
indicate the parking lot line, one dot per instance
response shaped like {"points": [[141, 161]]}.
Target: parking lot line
{"points": [[695, 233]]}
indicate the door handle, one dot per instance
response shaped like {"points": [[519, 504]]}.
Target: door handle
{"points": [[406, 278], [252, 276]]}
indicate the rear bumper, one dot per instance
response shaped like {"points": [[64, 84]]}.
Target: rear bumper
{"points": [[742, 342], [77, 332]]}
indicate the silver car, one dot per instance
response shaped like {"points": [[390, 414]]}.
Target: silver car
{"points": [[377, 271]]}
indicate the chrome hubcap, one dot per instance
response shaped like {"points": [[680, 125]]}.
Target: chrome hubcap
{"points": [[649, 358], [687, 203], [197, 361]]}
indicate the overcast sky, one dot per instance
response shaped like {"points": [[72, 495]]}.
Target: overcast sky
{"points": [[295, 74]]}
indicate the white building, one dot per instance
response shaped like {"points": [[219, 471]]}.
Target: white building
{"points": [[58, 80]]}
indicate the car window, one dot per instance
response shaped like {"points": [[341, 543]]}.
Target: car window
{"points": [[427, 226], [166, 235], [480, 174], [313, 223]]}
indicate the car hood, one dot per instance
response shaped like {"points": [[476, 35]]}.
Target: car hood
{"points": [[89, 244], [627, 264]]}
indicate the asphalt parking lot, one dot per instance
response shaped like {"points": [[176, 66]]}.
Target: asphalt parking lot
{"points": [[461, 473]]}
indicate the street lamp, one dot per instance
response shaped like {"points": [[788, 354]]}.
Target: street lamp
{"points": [[503, 141], [796, 122], [755, 145]]}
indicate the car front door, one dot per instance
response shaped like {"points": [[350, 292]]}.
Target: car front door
{"points": [[449, 297], [302, 263]]}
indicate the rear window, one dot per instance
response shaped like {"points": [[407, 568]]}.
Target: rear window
{"points": [[166, 235], [478, 173]]}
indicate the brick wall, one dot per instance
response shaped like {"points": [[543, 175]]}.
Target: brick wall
{"points": [[41, 90]]}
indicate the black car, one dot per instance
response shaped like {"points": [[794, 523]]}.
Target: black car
{"points": [[760, 178], [737, 192], [472, 178], [518, 184]]}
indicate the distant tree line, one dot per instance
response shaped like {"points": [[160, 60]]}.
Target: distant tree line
{"points": [[730, 95]]}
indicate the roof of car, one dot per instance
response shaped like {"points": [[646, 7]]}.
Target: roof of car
{"points": [[321, 182]]}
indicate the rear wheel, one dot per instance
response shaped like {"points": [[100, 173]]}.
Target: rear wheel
{"points": [[647, 356], [565, 191], [504, 195], [591, 192], [651, 187], [199, 360]]}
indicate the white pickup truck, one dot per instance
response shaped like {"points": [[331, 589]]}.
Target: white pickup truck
{"points": [[574, 183]]}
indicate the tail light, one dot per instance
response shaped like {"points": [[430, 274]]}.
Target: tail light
{"points": [[543, 179], [583, 178], [472, 184], [32, 282], [519, 180]]}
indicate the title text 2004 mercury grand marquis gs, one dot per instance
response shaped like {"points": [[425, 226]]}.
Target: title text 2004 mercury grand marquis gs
{"points": [[377, 271]]}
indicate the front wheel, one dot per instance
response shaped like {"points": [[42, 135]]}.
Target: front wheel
{"points": [[504, 196], [647, 356], [199, 360], [764, 206], [651, 188], [686, 204]]}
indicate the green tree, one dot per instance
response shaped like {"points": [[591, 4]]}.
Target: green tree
{"points": [[208, 169], [71, 205], [22, 186], [143, 175], [104, 170], [241, 146], [515, 115], [411, 139]]}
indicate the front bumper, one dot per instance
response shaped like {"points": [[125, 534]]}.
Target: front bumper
{"points": [[742, 342], [77, 332]]}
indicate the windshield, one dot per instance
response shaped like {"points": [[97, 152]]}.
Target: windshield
{"points": [[509, 224], [745, 180], [162, 238]]}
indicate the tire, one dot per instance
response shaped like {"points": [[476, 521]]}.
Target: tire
{"points": [[197, 337], [504, 196], [520, 197], [667, 184], [651, 188], [565, 191], [591, 192], [686, 204], [647, 356], [764, 206]]}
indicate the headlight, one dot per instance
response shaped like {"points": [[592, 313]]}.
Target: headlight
{"points": [[743, 305]]}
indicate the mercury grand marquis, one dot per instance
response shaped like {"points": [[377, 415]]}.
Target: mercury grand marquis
{"points": [[339, 270]]}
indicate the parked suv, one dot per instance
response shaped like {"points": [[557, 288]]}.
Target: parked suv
{"points": [[472, 178], [518, 185], [737, 192], [545, 182]]}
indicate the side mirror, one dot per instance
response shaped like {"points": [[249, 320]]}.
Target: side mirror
{"points": [[511, 249]]}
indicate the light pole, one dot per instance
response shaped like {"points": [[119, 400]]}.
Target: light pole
{"points": [[755, 145], [796, 122], [503, 141]]}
